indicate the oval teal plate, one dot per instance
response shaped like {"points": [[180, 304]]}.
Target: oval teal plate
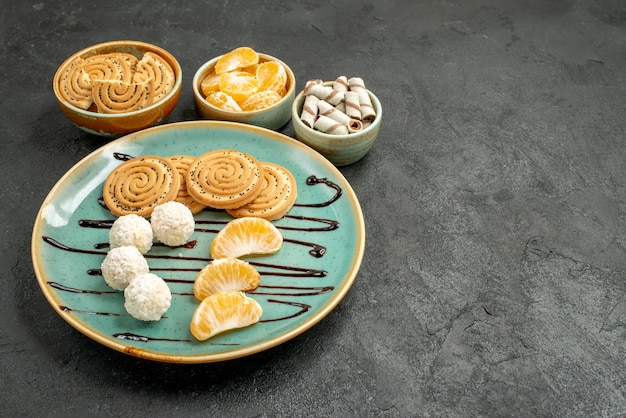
{"points": [[324, 242]]}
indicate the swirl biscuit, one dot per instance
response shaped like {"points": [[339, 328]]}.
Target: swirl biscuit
{"points": [[181, 163], [153, 67], [276, 197], [224, 179], [75, 85], [139, 185], [112, 96], [113, 66]]}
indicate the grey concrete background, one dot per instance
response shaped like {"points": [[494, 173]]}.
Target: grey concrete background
{"points": [[494, 278]]}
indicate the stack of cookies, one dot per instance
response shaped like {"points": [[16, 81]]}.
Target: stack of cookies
{"points": [[221, 179]]}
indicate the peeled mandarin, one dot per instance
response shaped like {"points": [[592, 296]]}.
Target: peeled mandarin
{"points": [[246, 236], [250, 69], [223, 101], [238, 85], [225, 275], [271, 76], [224, 311], [210, 83], [261, 100], [236, 59]]}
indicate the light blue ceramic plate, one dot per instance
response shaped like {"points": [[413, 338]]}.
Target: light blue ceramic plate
{"points": [[324, 241]]}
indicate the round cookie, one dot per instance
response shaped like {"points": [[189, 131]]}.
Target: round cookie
{"points": [[276, 197], [75, 85], [140, 184], [154, 67], [181, 163], [113, 96], [224, 179], [112, 66]]}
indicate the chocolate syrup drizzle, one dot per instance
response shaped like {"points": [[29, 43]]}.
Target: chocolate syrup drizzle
{"points": [[265, 269]]}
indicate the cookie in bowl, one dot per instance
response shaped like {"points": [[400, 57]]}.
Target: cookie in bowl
{"points": [[118, 87]]}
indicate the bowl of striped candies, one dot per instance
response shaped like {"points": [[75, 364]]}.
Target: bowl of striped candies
{"points": [[340, 119]]}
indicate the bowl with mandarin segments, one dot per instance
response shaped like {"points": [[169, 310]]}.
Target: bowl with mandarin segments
{"points": [[72, 88], [272, 117], [343, 149]]}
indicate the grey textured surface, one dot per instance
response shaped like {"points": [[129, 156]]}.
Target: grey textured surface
{"points": [[494, 278]]}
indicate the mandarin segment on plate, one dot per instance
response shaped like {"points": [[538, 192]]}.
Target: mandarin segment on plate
{"points": [[238, 85], [222, 312], [271, 76], [246, 236], [237, 58], [225, 275]]}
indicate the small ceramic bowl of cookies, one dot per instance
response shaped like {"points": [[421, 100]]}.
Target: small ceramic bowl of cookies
{"points": [[327, 124], [245, 86], [114, 88]]}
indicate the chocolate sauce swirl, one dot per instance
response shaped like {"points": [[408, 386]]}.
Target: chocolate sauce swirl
{"points": [[313, 180]]}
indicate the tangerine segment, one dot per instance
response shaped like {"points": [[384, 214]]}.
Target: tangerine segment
{"points": [[222, 312], [210, 83], [271, 75], [223, 101], [261, 100], [246, 236], [237, 58], [225, 275], [251, 69], [238, 85]]}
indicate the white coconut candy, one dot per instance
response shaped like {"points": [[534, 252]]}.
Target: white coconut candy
{"points": [[131, 230], [122, 265], [172, 223], [147, 297]]}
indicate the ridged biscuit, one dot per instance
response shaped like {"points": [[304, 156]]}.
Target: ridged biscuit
{"points": [[224, 179], [276, 197], [112, 66], [139, 185], [113, 96], [75, 85], [153, 67], [181, 163]]}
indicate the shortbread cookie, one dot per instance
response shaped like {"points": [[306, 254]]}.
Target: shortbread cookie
{"points": [[139, 185], [120, 97], [75, 85], [275, 199], [181, 163], [224, 179], [154, 67], [112, 66]]}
